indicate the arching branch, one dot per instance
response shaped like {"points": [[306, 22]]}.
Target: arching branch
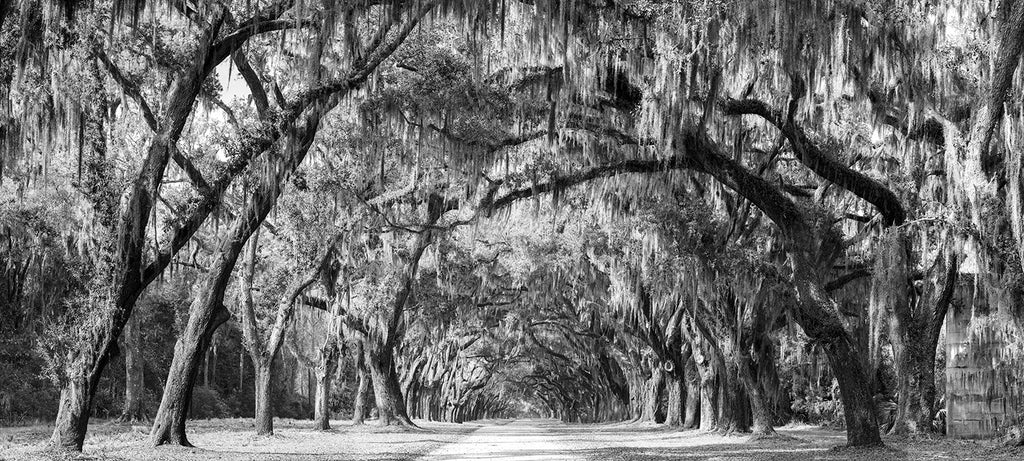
{"points": [[252, 80], [130, 88], [822, 164]]}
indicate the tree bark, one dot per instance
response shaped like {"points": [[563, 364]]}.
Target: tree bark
{"points": [[636, 393], [386, 389], [730, 402], [676, 400], [169, 424], [693, 396], [330, 351], [915, 379], [409, 383], [764, 423], [652, 394], [72, 415], [264, 412], [708, 404], [134, 410], [820, 320], [708, 383], [321, 405], [359, 406], [914, 335], [324, 372], [206, 313]]}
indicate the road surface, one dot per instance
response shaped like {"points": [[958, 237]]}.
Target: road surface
{"points": [[520, 440]]}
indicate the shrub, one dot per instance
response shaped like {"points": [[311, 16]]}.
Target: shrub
{"points": [[207, 403]]}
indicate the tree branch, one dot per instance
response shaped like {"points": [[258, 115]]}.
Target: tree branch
{"points": [[823, 164], [129, 87], [252, 80], [945, 297], [846, 278]]}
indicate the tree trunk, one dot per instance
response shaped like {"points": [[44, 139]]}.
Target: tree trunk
{"points": [[133, 410], [169, 424], [264, 412], [321, 407], [363, 390], [324, 372], [821, 322], [731, 405], [914, 358], [692, 378], [914, 334], [241, 369], [264, 355], [386, 389], [636, 394], [820, 319], [915, 374], [858, 406], [73, 415], [676, 399], [652, 394], [761, 414], [708, 400], [409, 383]]}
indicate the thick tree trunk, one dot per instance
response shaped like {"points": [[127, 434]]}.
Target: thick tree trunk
{"points": [[652, 394], [362, 396], [321, 407], [134, 410], [72, 415], [708, 405], [858, 406], [169, 424], [914, 334], [324, 372], [915, 375], [264, 411], [692, 417], [692, 378], [708, 397], [386, 389], [760, 412], [412, 400], [361, 399], [636, 394], [409, 384], [676, 399], [820, 320], [617, 382], [731, 405]]}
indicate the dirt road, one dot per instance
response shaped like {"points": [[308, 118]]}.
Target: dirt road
{"points": [[520, 440]]}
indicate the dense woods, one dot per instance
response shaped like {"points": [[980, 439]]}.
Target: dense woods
{"points": [[713, 215]]}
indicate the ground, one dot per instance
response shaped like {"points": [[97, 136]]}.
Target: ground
{"points": [[520, 440]]}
